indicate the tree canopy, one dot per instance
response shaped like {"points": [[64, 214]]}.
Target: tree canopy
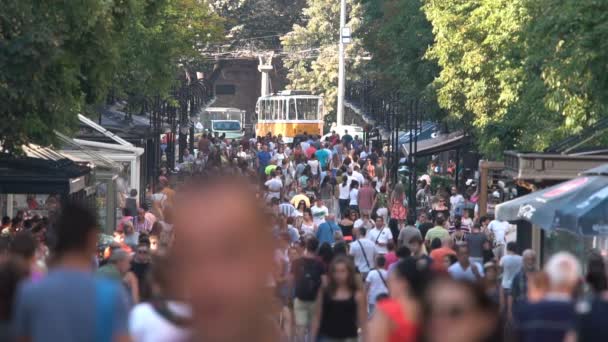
{"points": [[525, 73], [58, 56], [313, 49]]}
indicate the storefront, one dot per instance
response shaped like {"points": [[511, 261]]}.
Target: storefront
{"points": [[538, 171], [41, 180]]}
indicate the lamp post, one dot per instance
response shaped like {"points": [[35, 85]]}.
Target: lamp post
{"points": [[344, 39]]}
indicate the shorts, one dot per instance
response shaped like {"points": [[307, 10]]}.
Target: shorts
{"points": [[302, 312]]}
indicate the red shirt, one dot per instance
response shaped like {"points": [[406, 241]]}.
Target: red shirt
{"points": [[438, 254], [366, 197], [404, 330], [310, 151]]}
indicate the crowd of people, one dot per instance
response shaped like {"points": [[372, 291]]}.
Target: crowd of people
{"points": [[300, 241]]}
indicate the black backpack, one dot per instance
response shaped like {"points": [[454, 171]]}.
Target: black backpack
{"points": [[308, 278]]}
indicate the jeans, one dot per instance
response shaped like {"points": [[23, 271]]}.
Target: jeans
{"points": [[343, 206]]}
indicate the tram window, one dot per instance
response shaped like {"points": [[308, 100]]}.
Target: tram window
{"points": [[267, 110], [307, 109], [292, 109], [262, 110]]}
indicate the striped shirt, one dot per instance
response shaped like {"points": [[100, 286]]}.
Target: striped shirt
{"points": [[287, 209]]}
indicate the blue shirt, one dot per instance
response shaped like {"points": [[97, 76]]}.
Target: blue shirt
{"points": [[325, 232], [545, 321], [264, 158], [61, 307], [322, 155]]}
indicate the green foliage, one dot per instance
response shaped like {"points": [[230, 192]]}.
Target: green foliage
{"points": [[56, 57], [398, 34], [525, 73], [263, 19], [313, 49]]}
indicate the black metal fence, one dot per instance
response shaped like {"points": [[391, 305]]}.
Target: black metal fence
{"points": [[396, 121], [177, 114]]}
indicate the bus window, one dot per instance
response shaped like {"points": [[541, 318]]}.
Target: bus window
{"points": [[292, 109]]}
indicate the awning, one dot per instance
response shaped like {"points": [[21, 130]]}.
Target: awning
{"points": [[579, 205], [46, 174], [441, 143]]}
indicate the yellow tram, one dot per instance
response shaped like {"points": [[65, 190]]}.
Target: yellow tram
{"points": [[289, 113]]}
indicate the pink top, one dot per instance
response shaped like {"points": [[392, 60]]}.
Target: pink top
{"points": [[391, 258]]}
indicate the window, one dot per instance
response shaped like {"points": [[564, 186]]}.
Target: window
{"points": [[225, 89], [226, 126], [292, 109], [308, 109]]}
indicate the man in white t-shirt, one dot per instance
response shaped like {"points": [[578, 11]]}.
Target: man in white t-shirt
{"points": [[456, 202], [511, 264], [319, 211], [364, 252], [500, 230], [380, 236], [274, 186], [376, 283], [358, 176], [464, 269], [364, 222]]}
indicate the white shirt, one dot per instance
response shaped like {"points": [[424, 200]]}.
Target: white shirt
{"points": [[354, 193], [344, 191], [360, 258], [358, 177], [318, 214], [467, 222], [314, 166], [146, 325], [274, 186], [458, 273], [381, 236], [499, 228], [511, 264], [376, 285], [455, 200], [367, 224]]}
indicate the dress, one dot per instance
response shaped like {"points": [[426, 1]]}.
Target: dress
{"points": [[398, 211]]}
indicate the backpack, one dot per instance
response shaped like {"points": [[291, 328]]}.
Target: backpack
{"points": [[308, 279]]}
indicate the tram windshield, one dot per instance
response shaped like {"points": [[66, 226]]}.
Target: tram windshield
{"points": [[308, 109]]}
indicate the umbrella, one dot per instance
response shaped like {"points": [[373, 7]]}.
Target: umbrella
{"points": [[579, 205]]}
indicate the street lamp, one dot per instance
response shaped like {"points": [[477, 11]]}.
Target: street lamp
{"points": [[345, 38]]}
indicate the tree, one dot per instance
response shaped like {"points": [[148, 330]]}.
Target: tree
{"points": [[525, 73], [58, 56], [398, 34], [312, 49], [162, 40], [258, 23]]}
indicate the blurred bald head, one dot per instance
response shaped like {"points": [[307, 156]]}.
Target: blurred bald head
{"points": [[223, 258]]}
